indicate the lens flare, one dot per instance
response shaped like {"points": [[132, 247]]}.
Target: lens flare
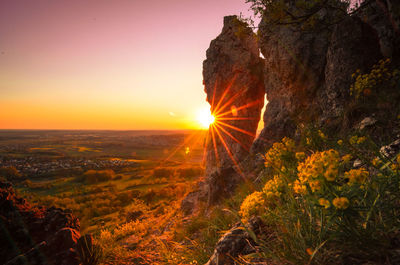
{"points": [[205, 118]]}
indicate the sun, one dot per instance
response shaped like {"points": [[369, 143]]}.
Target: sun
{"points": [[205, 118]]}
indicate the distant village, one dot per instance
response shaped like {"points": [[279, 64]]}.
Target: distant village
{"points": [[35, 166]]}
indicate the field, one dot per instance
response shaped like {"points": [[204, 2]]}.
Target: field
{"points": [[106, 178]]}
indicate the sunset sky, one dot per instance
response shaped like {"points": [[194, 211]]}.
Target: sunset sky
{"points": [[101, 64]]}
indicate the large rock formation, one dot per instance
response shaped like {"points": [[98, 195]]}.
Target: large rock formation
{"points": [[35, 235], [307, 74], [235, 91]]}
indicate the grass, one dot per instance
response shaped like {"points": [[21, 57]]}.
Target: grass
{"points": [[102, 204]]}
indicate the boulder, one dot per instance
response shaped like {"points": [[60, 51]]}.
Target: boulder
{"points": [[235, 242]]}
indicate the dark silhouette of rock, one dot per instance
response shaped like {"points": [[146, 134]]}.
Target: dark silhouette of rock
{"points": [[35, 235], [233, 83], [384, 18]]}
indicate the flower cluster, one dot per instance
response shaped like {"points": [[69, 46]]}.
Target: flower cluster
{"points": [[341, 203], [276, 155], [319, 165], [324, 202], [357, 175], [366, 83], [252, 204], [355, 140], [273, 188]]}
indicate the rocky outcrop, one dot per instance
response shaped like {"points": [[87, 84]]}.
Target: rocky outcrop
{"points": [[293, 72], [307, 74], [35, 235], [233, 83], [236, 242]]}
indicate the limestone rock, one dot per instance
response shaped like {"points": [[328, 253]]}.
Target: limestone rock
{"points": [[294, 70], [366, 122], [233, 83], [390, 150], [353, 45], [235, 242], [307, 75]]}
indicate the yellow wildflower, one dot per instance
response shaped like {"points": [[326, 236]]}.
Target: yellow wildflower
{"points": [[376, 162], [398, 158], [317, 164], [275, 153], [357, 175], [331, 173], [299, 188], [361, 140], [340, 142], [315, 185], [252, 204], [324, 202], [353, 139], [321, 134], [346, 158], [341, 203], [273, 187]]}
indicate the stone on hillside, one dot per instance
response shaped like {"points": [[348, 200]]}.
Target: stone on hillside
{"points": [[234, 243]]}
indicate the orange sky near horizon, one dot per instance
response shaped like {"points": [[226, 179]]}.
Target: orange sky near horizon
{"points": [[98, 64]]}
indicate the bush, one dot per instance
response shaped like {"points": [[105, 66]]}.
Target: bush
{"points": [[322, 209], [190, 172], [96, 176], [136, 209], [10, 173], [162, 173]]}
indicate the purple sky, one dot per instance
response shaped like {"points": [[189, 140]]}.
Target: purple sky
{"points": [[102, 64]]}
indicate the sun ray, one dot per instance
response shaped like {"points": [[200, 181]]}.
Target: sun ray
{"points": [[233, 137], [235, 128], [214, 143], [228, 103], [229, 152], [250, 104], [184, 143], [236, 119], [224, 94], [205, 146], [213, 97]]}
